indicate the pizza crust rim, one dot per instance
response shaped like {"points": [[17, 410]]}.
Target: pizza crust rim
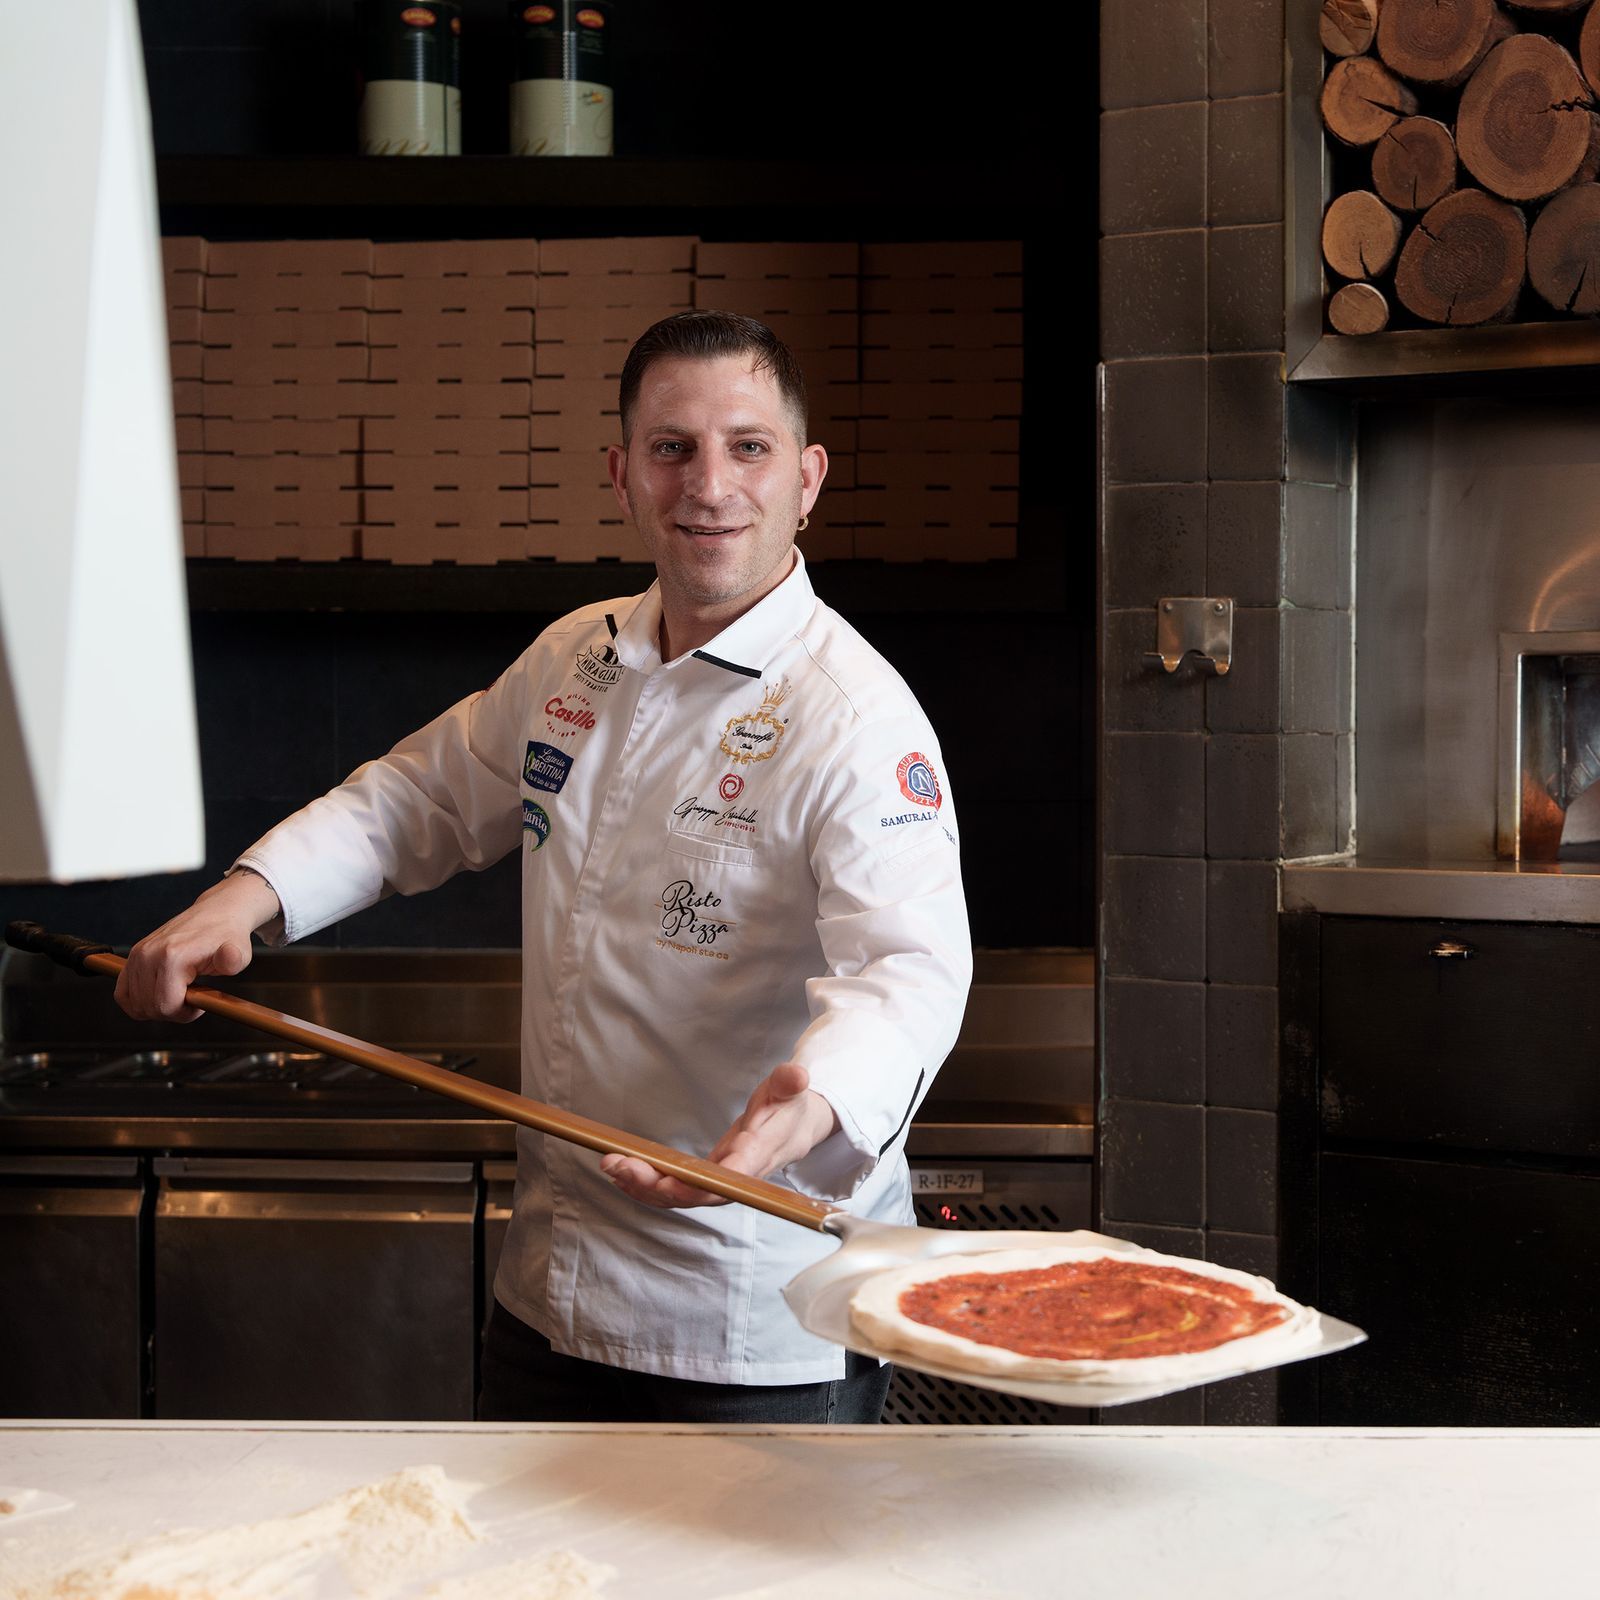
{"points": [[875, 1313]]}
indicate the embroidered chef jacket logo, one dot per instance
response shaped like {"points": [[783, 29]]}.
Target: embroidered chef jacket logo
{"points": [[545, 767], [731, 787], [918, 782], [756, 736], [689, 920], [905, 817], [568, 715], [598, 667], [741, 819], [535, 823]]}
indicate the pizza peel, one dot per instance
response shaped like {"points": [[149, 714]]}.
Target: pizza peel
{"points": [[819, 1297]]}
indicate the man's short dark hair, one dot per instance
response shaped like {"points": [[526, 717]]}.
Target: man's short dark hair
{"points": [[706, 336]]}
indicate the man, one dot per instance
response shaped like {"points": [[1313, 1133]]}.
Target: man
{"points": [[741, 890]]}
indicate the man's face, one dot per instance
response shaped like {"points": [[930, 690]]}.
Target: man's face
{"points": [[715, 480]]}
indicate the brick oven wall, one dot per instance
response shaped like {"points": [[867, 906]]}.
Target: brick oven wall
{"points": [[1218, 480]]}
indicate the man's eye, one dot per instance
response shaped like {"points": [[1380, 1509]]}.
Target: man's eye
{"points": [[752, 447], [669, 447]]}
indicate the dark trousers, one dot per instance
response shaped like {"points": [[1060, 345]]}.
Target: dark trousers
{"points": [[524, 1380]]}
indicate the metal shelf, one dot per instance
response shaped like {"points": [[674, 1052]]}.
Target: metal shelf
{"points": [[1545, 355]]}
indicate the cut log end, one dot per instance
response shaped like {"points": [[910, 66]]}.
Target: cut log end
{"points": [[1362, 100], [1564, 251], [1348, 27], [1414, 164], [1360, 235], [1464, 261], [1589, 48], [1524, 129], [1440, 44], [1358, 308]]}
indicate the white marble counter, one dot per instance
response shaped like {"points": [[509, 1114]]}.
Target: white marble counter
{"points": [[887, 1513]]}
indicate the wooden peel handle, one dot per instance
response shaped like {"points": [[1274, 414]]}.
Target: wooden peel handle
{"points": [[84, 956]]}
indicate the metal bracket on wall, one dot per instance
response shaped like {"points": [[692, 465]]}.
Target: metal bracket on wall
{"points": [[1200, 625]]}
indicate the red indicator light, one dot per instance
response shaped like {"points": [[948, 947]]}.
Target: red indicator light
{"points": [[947, 1213]]}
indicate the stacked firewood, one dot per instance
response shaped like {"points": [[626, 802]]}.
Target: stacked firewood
{"points": [[1468, 145]]}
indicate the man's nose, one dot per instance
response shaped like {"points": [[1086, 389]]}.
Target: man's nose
{"points": [[707, 479]]}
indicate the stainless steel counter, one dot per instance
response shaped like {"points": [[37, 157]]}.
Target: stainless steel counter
{"points": [[1455, 891]]}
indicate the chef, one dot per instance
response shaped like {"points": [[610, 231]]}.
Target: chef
{"points": [[743, 926]]}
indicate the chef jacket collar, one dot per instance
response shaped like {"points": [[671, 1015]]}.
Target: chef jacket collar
{"points": [[743, 648]]}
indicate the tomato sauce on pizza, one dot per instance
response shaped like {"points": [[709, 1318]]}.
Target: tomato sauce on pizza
{"points": [[1096, 1310]]}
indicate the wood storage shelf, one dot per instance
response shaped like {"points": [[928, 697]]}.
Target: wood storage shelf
{"points": [[1460, 208]]}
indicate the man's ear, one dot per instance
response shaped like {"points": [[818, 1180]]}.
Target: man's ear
{"points": [[813, 469], [617, 465]]}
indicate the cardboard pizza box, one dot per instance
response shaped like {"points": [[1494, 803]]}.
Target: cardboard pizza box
{"points": [[298, 402], [579, 502], [615, 256], [188, 398], [183, 291], [586, 362], [466, 258], [826, 541], [923, 296], [288, 257], [650, 296], [185, 325], [194, 539], [187, 362], [446, 506], [976, 401], [409, 329], [192, 503], [568, 469], [286, 507], [191, 469], [189, 434], [335, 364], [959, 330], [184, 253], [974, 258], [811, 259], [773, 297], [577, 431], [281, 543], [1002, 434], [438, 474], [565, 396], [310, 292], [467, 436], [308, 330], [489, 295], [273, 472], [806, 331], [941, 366], [431, 364], [905, 469], [272, 436]]}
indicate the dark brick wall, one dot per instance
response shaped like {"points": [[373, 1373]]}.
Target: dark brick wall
{"points": [[1216, 480]]}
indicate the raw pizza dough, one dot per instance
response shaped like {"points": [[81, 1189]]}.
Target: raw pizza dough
{"points": [[875, 1312]]}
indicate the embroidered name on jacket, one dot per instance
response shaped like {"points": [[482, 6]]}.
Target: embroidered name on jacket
{"points": [[690, 921], [757, 735]]}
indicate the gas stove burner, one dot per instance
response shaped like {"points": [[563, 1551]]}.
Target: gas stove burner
{"points": [[160, 1068]]}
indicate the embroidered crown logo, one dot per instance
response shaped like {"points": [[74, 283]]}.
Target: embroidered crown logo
{"points": [[757, 735]]}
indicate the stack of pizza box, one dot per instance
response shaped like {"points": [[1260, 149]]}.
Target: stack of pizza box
{"points": [[285, 366], [183, 262], [596, 296], [445, 452], [809, 295], [941, 401]]}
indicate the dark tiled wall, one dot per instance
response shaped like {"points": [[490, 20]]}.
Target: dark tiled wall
{"points": [[1217, 479], [289, 705]]}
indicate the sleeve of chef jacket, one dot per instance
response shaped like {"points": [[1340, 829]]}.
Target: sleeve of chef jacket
{"points": [[892, 920], [445, 798]]}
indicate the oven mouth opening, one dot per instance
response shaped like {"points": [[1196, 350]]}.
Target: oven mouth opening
{"points": [[1549, 777]]}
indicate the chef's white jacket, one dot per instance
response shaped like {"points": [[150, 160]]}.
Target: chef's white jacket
{"points": [[738, 858]]}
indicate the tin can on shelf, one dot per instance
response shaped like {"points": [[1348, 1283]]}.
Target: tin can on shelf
{"points": [[410, 78], [562, 95]]}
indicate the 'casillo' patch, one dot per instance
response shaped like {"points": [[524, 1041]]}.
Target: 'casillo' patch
{"points": [[757, 735]]}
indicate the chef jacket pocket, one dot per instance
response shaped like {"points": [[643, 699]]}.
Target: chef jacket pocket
{"points": [[699, 848]]}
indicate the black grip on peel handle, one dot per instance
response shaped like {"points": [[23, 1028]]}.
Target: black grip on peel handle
{"points": [[62, 948]]}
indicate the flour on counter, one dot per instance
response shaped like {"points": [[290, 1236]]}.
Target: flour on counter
{"points": [[561, 1575], [384, 1535]]}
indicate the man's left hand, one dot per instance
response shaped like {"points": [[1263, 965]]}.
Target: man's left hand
{"points": [[784, 1120]]}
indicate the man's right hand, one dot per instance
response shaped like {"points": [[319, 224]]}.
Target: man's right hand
{"points": [[210, 939]]}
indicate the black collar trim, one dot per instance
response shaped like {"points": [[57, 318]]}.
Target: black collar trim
{"points": [[611, 623], [727, 666]]}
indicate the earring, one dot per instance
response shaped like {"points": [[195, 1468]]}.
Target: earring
{"points": [[805, 522]]}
